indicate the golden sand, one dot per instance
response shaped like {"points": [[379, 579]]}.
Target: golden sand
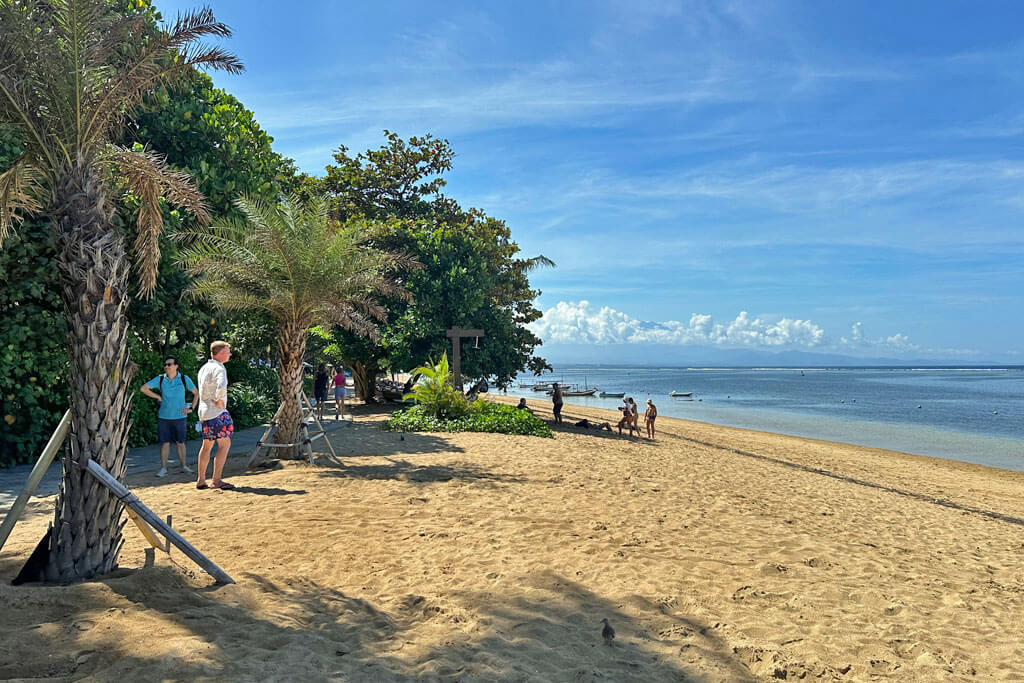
{"points": [[717, 554]]}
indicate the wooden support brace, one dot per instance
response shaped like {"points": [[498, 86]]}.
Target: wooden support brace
{"points": [[132, 503], [35, 476]]}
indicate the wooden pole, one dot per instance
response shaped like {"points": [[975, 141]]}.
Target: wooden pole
{"points": [[323, 432], [456, 334], [260, 445], [35, 476], [135, 505]]}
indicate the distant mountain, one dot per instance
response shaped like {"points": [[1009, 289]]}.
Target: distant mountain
{"points": [[696, 356]]}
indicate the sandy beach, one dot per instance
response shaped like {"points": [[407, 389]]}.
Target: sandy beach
{"points": [[718, 554]]}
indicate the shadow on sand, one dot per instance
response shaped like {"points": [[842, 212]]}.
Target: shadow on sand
{"points": [[299, 629]]}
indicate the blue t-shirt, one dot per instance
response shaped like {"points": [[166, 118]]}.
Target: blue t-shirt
{"points": [[173, 393]]}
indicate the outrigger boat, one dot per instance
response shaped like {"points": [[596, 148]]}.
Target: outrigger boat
{"points": [[682, 394], [615, 394]]}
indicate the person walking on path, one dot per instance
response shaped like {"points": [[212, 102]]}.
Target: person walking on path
{"points": [[214, 416], [556, 400], [649, 416], [339, 393], [320, 390], [171, 418]]}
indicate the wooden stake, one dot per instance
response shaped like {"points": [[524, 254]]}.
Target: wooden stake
{"points": [[35, 476], [135, 505]]}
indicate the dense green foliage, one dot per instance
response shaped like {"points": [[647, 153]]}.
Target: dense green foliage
{"points": [[434, 391], [482, 416], [213, 136], [472, 273]]}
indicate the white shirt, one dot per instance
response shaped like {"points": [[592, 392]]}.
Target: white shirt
{"points": [[213, 386]]}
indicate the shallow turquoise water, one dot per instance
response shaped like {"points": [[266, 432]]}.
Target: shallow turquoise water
{"points": [[973, 415]]}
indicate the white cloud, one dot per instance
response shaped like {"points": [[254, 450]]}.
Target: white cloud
{"points": [[580, 323], [896, 342]]}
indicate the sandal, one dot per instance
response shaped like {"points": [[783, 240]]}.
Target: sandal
{"points": [[225, 486], [202, 486]]}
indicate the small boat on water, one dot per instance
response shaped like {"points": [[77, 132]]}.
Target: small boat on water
{"points": [[542, 386], [580, 392], [682, 394], [613, 394]]}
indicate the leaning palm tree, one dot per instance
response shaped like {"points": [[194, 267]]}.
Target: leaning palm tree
{"points": [[294, 262], [71, 72]]}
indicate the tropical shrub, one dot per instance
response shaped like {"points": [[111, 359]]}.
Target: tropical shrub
{"points": [[482, 416], [434, 391]]}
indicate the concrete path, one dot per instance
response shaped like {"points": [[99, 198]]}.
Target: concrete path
{"points": [[140, 461]]}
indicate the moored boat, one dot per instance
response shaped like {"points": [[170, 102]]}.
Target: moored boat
{"points": [[612, 394], [682, 394], [580, 392]]}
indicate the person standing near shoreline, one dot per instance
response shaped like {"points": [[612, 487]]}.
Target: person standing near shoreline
{"points": [[556, 400], [214, 416], [649, 417], [171, 417], [635, 410]]}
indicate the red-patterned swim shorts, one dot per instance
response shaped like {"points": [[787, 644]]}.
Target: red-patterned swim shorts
{"points": [[220, 427]]}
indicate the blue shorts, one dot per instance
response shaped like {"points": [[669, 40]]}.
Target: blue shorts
{"points": [[339, 393], [170, 431]]}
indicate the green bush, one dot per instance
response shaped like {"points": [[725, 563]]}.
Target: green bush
{"points": [[250, 406], [482, 416], [435, 393]]}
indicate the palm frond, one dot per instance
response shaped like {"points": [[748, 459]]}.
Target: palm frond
{"points": [[295, 264], [539, 261], [20, 193], [151, 180]]}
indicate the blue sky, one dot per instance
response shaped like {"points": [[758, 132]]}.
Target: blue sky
{"points": [[842, 177]]}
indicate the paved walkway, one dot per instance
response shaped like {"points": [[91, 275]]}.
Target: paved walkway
{"points": [[140, 460]]}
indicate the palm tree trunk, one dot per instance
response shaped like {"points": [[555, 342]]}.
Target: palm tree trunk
{"points": [[291, 349], [365, 379], [86, 536]]}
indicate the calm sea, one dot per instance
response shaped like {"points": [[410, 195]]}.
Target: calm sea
{"points": [[970, 414]]}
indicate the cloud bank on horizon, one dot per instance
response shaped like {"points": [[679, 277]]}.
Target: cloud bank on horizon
{"points": [[579, 322]]}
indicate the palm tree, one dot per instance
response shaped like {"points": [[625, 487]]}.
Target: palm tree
{"points": [[303, 269], [71, 72]]}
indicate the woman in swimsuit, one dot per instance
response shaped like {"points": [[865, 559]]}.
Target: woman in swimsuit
{"points": [[649, 416], [634, 423]]}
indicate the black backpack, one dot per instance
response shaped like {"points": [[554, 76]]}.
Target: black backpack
{"points": [[160, 388]]}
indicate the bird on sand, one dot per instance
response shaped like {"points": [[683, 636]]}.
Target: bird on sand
{"points": [[608, 633]]}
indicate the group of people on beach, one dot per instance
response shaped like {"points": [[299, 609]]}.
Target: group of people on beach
{"points": [[209, 400], [630, 414]]}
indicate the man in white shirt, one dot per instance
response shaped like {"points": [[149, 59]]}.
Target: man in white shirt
{"points": [[214, 416]]}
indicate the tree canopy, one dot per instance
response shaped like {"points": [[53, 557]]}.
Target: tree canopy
{"points": [[472, 273]]}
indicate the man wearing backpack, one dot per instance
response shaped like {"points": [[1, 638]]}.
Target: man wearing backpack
{"points": [[171, 416]]}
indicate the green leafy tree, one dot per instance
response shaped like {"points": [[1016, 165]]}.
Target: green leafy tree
{"points": [[71, 72], [298, 266], [472, 273]]}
